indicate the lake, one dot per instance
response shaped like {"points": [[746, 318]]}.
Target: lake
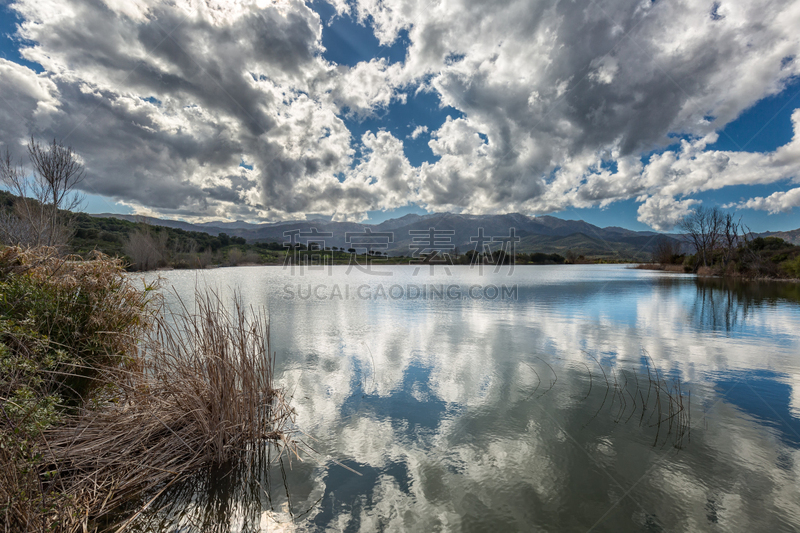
{"points": [[553, 398]]}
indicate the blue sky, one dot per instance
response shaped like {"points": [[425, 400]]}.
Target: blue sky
{"points": [[379, 126], [762, 128], [9, 42]]}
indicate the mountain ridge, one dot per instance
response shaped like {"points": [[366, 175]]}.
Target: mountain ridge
{"points": [[544, 233]]}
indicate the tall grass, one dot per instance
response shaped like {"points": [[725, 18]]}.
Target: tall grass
{"points": [[172, 391], [204, 394], [671, 404]]}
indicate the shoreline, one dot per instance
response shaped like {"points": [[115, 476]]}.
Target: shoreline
{"points": [[661, 268], [677, 269], [216, 267]]}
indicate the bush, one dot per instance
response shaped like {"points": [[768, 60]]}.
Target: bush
{"points": [[62, 321], [67, 317], [252, 257], [235, 256], [792, 267], [205, 258], [184, 261]]}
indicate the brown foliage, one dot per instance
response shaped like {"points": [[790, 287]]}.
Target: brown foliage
{"points": [[204, 394], [173, 391]]}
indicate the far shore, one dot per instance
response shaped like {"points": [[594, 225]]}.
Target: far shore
{"points": [[672, 269], [705, 272], [381, 264]]}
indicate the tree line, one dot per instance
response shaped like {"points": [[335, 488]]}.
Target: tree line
{"points": [[721, 244], [38, 209]]}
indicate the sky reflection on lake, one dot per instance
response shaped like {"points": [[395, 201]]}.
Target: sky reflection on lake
{"points": [[495, 415]]}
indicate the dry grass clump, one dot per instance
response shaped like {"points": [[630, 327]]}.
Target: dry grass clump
{"points": [[204, 394], [704, 271], [661, 266], [103, 398], [63, 323]]}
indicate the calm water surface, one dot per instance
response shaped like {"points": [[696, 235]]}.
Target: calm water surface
{"points": [[528, 412]]}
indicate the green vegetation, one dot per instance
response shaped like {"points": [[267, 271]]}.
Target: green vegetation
{"points": [[61, 323], [592, 249], [724, 247], [103, 397], [138, 243], [144, 247], [502, 257]]}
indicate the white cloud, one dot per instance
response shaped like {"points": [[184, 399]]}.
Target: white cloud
{"points": [[384, 177], [419, 130], [777, 202], [163, 104], [367, 86], [562, 92], [164, 100], [27, 101], [664, 212]]}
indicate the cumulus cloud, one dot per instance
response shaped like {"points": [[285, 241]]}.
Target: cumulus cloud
{"points": [[560, 92], [419, 130], [558, 102], [664, 212], [165, 100], [29, 101], [777, 202], [366, 87]]}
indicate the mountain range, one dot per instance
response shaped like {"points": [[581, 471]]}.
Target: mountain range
{"points": [[545, 234]]}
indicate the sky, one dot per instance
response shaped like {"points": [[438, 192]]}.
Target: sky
{"points": [[618, 112]]}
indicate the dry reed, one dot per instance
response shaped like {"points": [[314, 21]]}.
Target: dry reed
{"points": [[204, 393], [62, 321], [667, 411]]}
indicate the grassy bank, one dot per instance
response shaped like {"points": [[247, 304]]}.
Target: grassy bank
{"points": [[106, 397], [757, 258]]}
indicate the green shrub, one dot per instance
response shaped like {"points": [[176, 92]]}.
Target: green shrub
{"points": [[63, 321], [792, 267]]}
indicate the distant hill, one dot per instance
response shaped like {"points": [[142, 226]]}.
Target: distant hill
{"points": [[186, 226], [546, 234], [788, 236]]}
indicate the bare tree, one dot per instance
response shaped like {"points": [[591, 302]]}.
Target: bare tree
{"points": [[235, 256], [730, 236], [665, 249], [754, 261], [145, 251], [703, 229], [45, 198], [24, 222], [58, 172], [205, 258]]}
